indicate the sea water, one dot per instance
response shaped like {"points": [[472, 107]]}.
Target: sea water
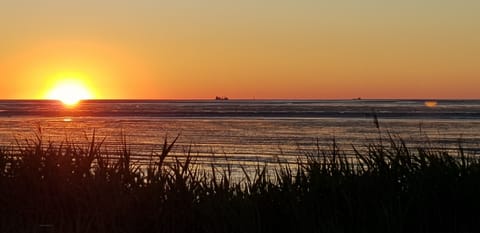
{"points": [[243, 131]]}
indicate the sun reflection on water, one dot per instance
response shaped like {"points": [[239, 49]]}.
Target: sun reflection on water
{"points": [[431, 103]]}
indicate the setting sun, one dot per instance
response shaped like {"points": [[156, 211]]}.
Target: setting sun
{"points": [[70, 92]]}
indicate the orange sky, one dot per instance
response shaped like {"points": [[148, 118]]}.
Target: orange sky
{"points": [[249, 49]]}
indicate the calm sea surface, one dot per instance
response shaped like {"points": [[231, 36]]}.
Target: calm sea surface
{"points": [[244, 131]]}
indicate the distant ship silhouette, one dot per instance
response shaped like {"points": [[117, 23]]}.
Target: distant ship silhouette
{"points": [[221, 98]]}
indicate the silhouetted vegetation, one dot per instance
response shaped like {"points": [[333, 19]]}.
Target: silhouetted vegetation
{"points": [[384, 187]]}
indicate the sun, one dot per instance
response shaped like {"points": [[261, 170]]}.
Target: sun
{"points": [[69, 92]]}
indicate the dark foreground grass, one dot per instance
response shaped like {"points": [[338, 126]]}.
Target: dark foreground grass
{"points": [[385, 187]]}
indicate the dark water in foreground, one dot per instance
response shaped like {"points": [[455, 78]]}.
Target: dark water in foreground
{"points": [[244, 131]]}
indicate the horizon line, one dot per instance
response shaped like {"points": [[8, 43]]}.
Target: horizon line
{"points": [[242, 99]]}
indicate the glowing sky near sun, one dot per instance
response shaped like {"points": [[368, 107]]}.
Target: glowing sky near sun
{"points": [[242, 49]]}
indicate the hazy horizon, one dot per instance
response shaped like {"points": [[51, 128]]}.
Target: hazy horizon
{"points": [[254, 99]]}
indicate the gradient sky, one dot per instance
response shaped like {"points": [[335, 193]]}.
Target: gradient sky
{"points": [[247, 49]]}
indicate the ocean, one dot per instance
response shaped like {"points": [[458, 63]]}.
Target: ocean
{"points": [[243, 131]]}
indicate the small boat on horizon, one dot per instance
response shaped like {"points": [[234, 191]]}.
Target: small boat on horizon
{"points": [[221, 98]]}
